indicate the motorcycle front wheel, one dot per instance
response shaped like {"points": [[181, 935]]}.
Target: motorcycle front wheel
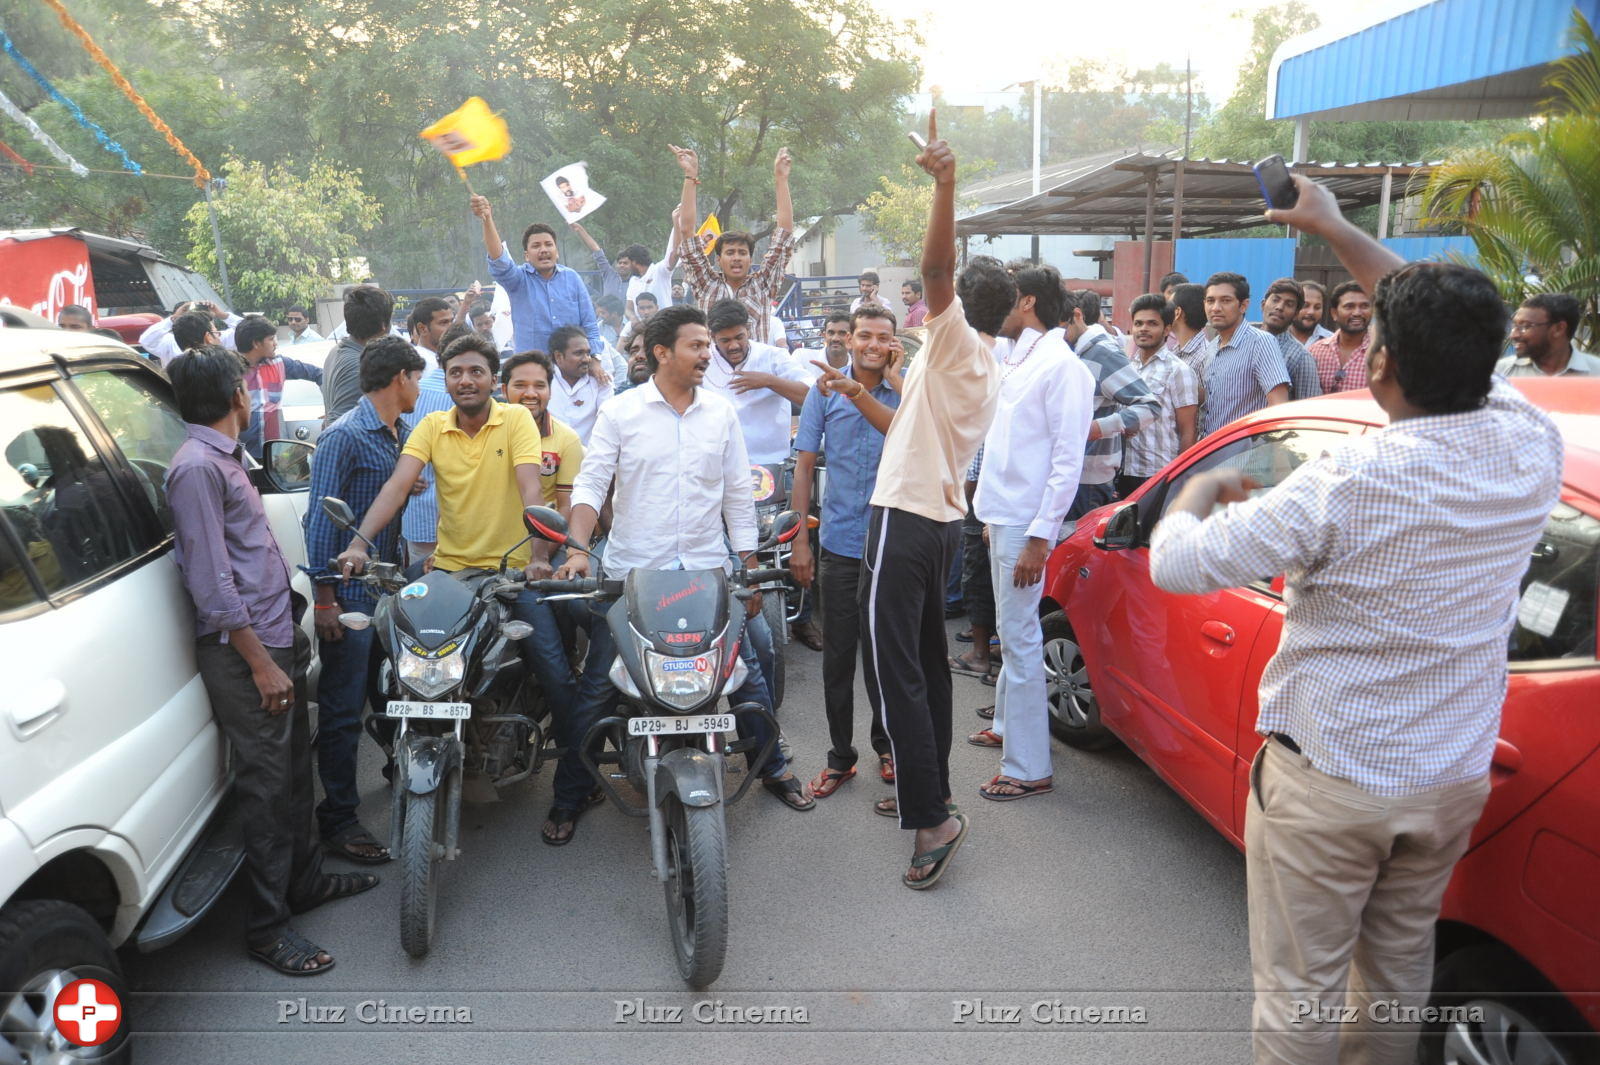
{"points": [[774, 609], [421, 849], [697, 889]]}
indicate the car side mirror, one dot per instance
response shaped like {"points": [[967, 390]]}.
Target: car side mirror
{"points": [[339, 512], [1120, 531], [287, 465]]}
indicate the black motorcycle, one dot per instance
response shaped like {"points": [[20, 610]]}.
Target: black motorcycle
{"points": [[771, 483], [467, 715], [678, 634]]}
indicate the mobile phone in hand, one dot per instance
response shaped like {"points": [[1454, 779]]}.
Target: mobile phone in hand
{"points": [[918, 140], [1277, 187]]}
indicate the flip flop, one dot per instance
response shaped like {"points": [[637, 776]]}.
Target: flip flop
{"points": [[890, 807], [986, 738], [827, 782], [886, 768], [966, 667], [964, 636], [355, 835], [290, 953], [1025, 789], [790, 792], [562, 816], [938, 858], [985, 712]]}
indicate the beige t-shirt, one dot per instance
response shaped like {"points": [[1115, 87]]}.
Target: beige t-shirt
{"points": [[949, 401]]}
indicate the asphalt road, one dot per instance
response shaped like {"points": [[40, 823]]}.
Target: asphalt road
{"points": [[1109, 894]]}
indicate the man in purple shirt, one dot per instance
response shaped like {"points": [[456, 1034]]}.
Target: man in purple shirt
{"points": [[252, 657]]}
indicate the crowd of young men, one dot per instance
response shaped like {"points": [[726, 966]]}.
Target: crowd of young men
{"points": [[1021, 413]]}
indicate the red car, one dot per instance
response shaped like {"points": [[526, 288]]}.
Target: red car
{"points": [[1175, 678]]}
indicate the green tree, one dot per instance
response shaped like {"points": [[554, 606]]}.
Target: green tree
{"points": [[896, 214], [1531, 203], [287, 238]]}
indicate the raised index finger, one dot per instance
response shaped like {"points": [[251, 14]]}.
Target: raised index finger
{"points": [[933, 124]]}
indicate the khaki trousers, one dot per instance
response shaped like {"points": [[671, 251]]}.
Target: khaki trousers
{"points": [[1345, 888]]}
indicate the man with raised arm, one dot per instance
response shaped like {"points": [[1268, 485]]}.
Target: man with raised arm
{"points": [[945, 409], [735, 251], [544, 295]]}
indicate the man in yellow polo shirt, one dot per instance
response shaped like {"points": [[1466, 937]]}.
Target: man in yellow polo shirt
{"points": [[487, 460], [526, 378]]}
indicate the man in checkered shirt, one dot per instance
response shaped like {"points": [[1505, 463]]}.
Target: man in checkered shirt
{"points": [[1402, 552]]}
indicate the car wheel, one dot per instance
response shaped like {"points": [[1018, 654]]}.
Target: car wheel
{"points": [[44, 946], [1074, 713], [1507, 1014]]}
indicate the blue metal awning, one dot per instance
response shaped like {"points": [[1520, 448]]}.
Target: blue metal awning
{"points": [[1443, 59]]}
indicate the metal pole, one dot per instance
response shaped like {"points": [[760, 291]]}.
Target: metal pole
{"points": [[1177, 205], [1383, 204], [216, 237], [1149, 227], [1302, 137], [1038, 125]]}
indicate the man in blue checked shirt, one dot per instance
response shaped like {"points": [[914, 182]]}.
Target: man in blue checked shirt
{"points": [[355, 456], [419, 523], [1124, 404], [855, 447], [544, 294]]}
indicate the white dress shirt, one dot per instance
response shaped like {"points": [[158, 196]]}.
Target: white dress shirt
{"points": [[307, 335], [157, 340], [1402, 553], [680, 479], [656, 280], [766, 416], [1033, 453], [578, 405]]}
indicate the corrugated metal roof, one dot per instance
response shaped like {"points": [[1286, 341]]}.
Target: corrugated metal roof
{"points": [[1443, 59], [1219, 196]]}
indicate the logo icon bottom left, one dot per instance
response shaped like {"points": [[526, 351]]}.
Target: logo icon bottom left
{"points": [[88, 1012]]}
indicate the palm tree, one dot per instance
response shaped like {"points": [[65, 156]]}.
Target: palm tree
{"points": [[1532, 203]]}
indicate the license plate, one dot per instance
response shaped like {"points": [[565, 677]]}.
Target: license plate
{"points": [[679, 726], [434, 711]]}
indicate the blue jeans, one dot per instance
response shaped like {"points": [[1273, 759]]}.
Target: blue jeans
{"points": [[543, 654], [597, 696], [341, 693], [758, 637]]}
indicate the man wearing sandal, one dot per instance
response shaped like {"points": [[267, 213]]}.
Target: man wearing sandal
{"points": [[945, 409], [1033, 456], [252, 658], [832, 412]]}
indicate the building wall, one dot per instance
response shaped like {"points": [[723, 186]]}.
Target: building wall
{"points": [[1128, 275], [1262, 260]]}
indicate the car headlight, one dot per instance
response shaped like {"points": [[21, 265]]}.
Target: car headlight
{"points": [[683, 683], [430, 677]]}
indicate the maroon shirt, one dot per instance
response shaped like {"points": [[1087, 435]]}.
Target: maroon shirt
{"points": [[231, 564]]}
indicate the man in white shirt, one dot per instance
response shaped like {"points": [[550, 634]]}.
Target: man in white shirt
{"points": [[675, 455], [1403, 552], [1032, 459], [576, 394], [159, 341], [643, 275], [299, 323], [764, 383]]}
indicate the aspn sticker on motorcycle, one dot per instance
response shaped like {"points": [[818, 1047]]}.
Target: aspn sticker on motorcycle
{"points": [[414, 591]]}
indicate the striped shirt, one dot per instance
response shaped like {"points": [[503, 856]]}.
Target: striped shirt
{"points": [[420, 522], [1124, 403], [758, 292], [1303, 378], [1175, 385], [354, 457], [1336, 374], [1402, 553], [1239, 375]]}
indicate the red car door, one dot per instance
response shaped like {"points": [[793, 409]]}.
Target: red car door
{"points": [[1173, 672]]}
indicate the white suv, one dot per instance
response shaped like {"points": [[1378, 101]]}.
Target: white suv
{"points": [[115, 824]]}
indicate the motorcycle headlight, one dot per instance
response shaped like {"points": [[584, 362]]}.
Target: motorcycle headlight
{"points": [[683, 683], [431, 677]]}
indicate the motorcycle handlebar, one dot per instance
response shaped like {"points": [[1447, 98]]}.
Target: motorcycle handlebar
{"points": [[582, 586], [762, 576]]}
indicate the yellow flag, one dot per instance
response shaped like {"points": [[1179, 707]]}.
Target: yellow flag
{"points": [[470, 134], [710, 227]]}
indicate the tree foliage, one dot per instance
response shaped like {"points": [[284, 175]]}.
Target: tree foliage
{"points": [[348, 83], [286, 238], [896, 214], [1531, 203]]}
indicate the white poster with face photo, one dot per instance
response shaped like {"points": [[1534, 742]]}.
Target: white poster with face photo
{"points": [[568, 188]]}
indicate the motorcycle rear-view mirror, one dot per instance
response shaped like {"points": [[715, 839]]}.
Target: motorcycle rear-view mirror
{"points": [[785, 527], [339, 512], [546, 523]]}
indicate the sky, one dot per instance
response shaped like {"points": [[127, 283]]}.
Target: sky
{"points": [[983, 47]]}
